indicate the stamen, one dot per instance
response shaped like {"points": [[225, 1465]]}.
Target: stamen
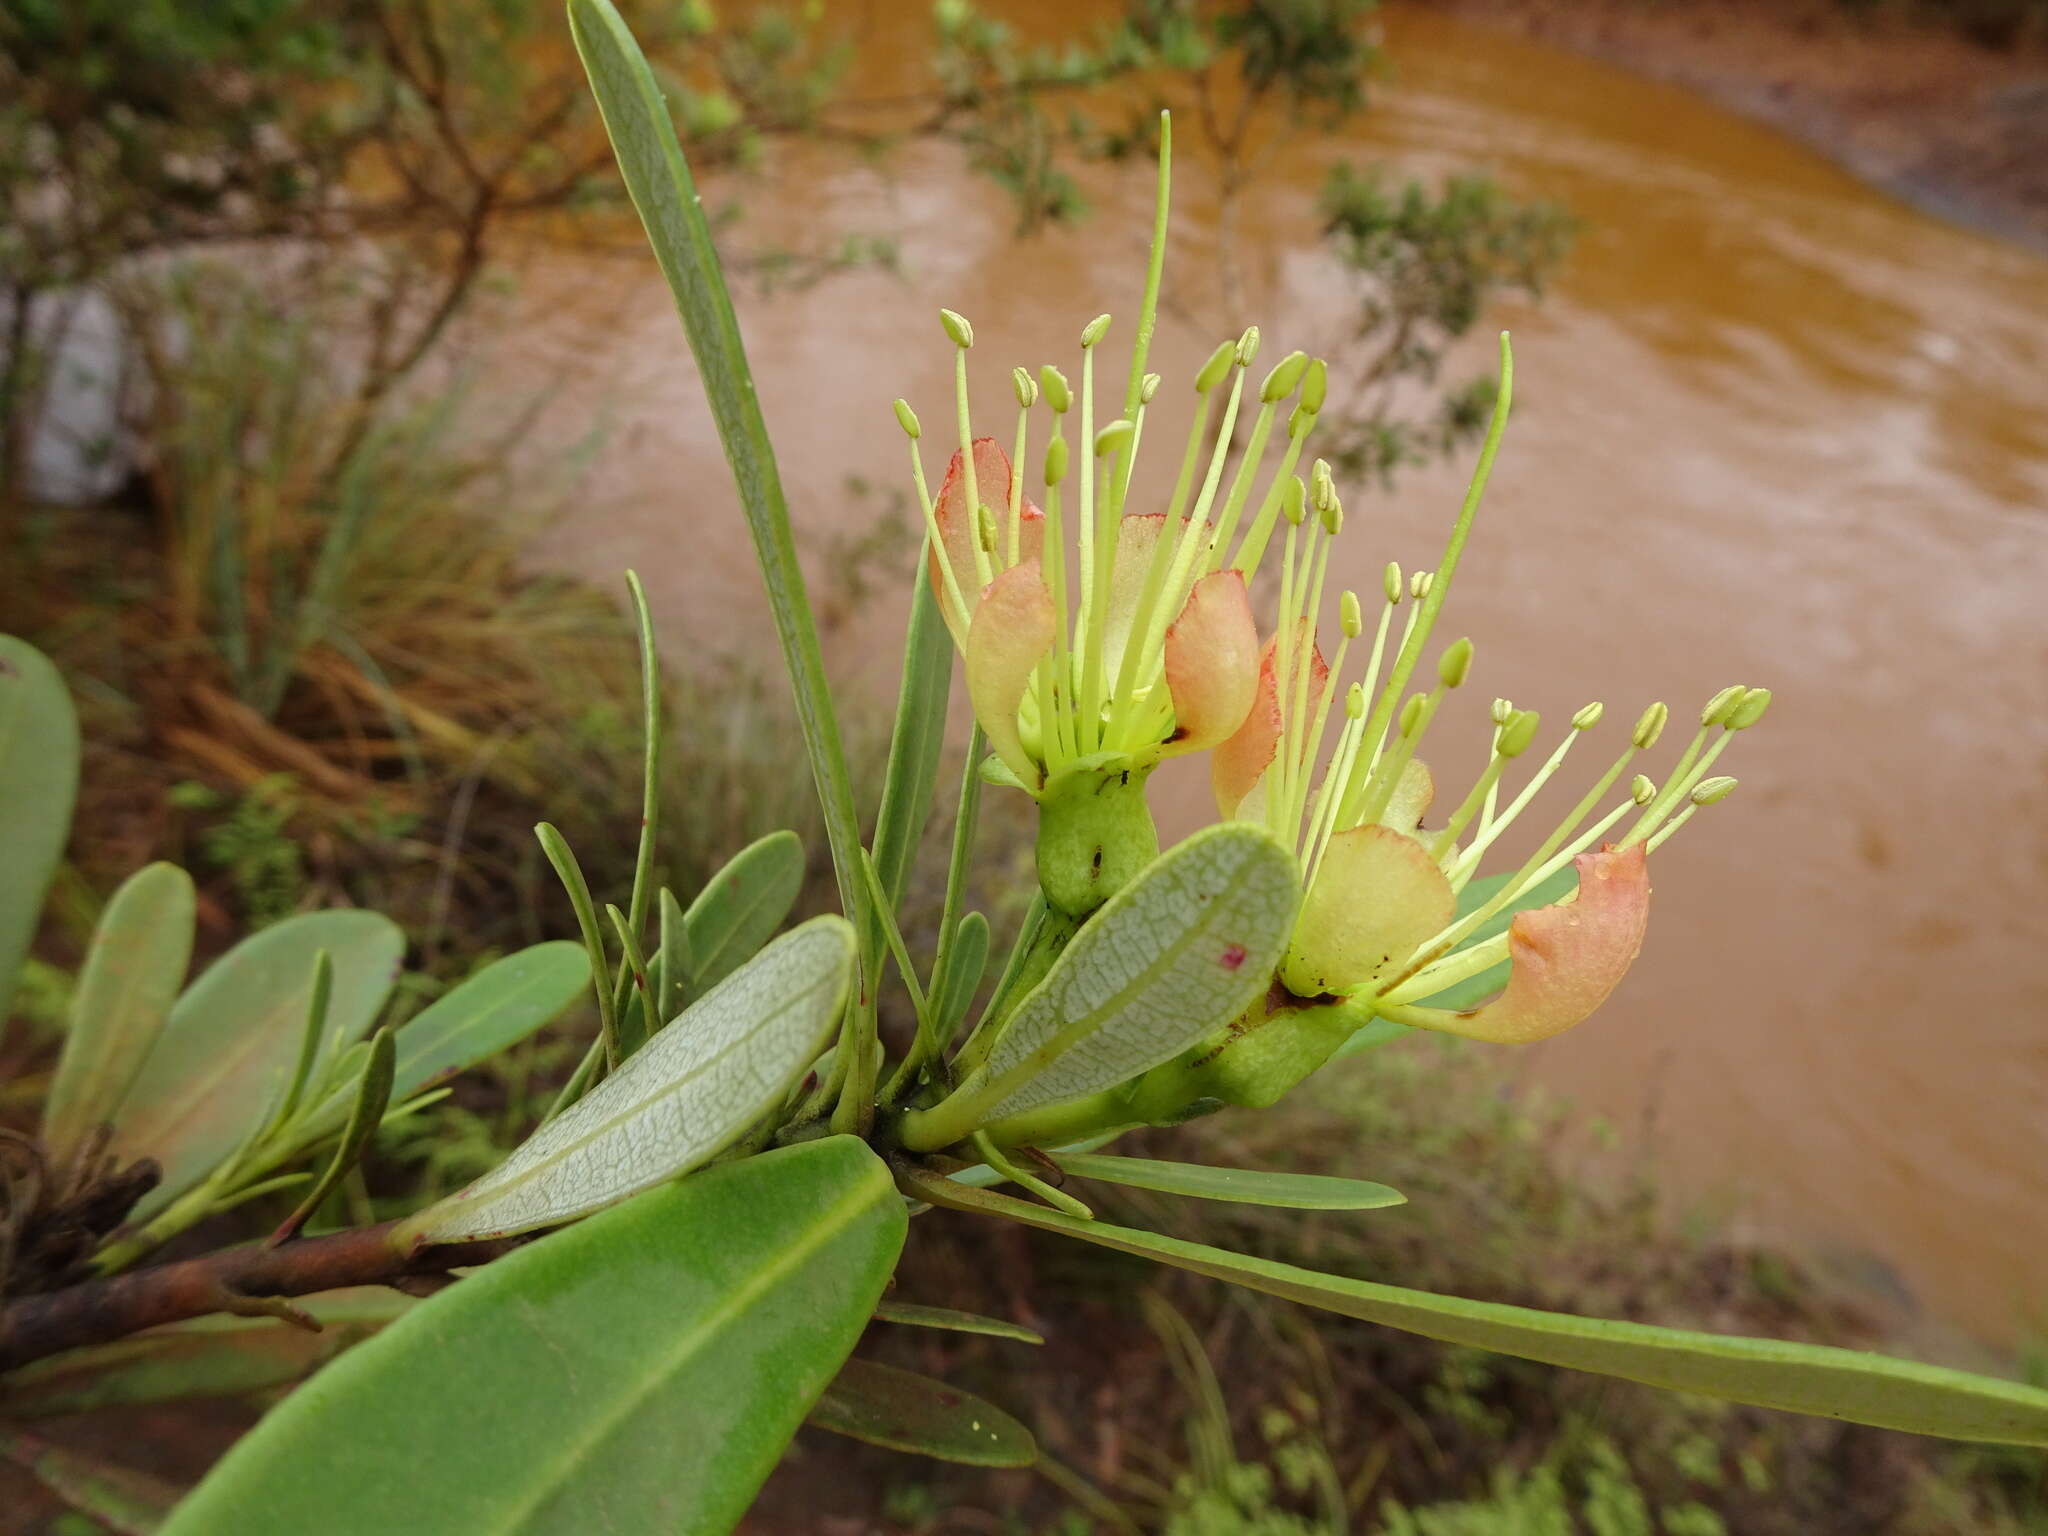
{"points": [[962, 336], [1027, 396], [1300, 422], [1706, 792], [1095, 558], [1057, 726], [935, 546], [1511, 738]]}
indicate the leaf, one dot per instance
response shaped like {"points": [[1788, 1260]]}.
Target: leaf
{"points": [[490, 1012], [658, 178], [639, 1372], [373, 1097], [677, 1103], [232, 1039], [965, 965], [126, 1502], [915, 742], [1247, 1186], [1186, 946], [908, 1412], [911, 1315], [1770, 1373], [741, 906], [218, 1356], [38, 782], [133, 973]]}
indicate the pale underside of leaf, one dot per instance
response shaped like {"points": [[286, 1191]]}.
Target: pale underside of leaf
{"points": [[677, 1102], [1185, 947]]}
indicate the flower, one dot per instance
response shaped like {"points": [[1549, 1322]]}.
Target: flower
{"points": [[1382, 922], [1111, 628]]}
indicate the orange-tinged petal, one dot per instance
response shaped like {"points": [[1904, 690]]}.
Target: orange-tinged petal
{"points": [[1212, 663], [1237, 765], [1012, 629], [1377, 895], [1566, 958], [956, 520]]}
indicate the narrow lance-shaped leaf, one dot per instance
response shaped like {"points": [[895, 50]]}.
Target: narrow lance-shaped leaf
{"points": [[208, 1357], [675, 1104], [966, 963], [908, 1412], [740, 907], [1185, 947], [658, 178], [221, 1062], [1770, 1373], [373, 1097], [639, 1372], [1245, 1186], [38, 782], [133, 972], [911, 1315]]}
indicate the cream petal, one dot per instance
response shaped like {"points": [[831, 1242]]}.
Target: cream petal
{"points": [[1013, 627], [1377, 896]]}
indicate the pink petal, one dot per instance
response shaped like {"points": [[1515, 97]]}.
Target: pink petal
{"points": [[1212, 663], [1566, 957], [1377, 896], [1237, 765], [1012, 629], [992, 483]]}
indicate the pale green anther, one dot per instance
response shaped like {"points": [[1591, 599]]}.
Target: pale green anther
{"points": [[1420, 583], [1588, 717], [1056, 461], [1503, 711], [1518, 731], [1295, 503], [985, 526], [1749, 711], [1112, 438], [1321, 481], [1332, 512], [1354, 702], [1391, 581], [1641, 789], [1092, 332], [1707, 791], [1054, 384], [1455, 663], [1214, 370], [1720, 705], [1027, 391], [1348, 615], [1147, 388], [1649, 726], [1300, 421], [1247, 346], [1284, 379], [957, 328], [906, 418], [1315, 386], [1411, 713]]}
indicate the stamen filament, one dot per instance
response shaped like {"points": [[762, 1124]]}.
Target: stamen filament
{"points": [[984, 570]]}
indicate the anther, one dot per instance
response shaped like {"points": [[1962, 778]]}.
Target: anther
{"points": [[1750, 710], [1455, 663], [1503, 711], [1588, 717], [906, 418], [1027, 391], [1315, 386], [1284, 379], [1348, 616], [1518, 732], [1649, 726], [1218, 365], [1709, 791], [1147, 388], [1641, 789], [1390, 580], [1295, 503], [1112, 438], [1056, 461], [1420, 583], [1054, 384], [1247, 346], [1092, 332], [957, 328], [1721, 704]]}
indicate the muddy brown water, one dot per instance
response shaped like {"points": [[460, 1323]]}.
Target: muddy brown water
{"points": [[1772, 427]]}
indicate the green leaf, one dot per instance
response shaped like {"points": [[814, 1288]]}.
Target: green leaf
{"points": [[1473, 990], [1771, 1373], [916, 741], [126, 1502], [658, 178], [38, 782], [639, 1372], [133, 973], [911, 1315], [231, 1042], [1247, 1186], [219, 1356], [740, 907], [966, 963], [1186, 946], [908, 1412], [490, 1012], [677, 1103], [372, 1098]]}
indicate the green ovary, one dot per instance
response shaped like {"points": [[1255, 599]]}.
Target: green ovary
{"points": [[1095, 833]]}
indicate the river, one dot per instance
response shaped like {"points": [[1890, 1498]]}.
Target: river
{"points": [[1772, 427]]}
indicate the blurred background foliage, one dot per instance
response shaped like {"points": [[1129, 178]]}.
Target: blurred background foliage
{"points": [[290, 588]]}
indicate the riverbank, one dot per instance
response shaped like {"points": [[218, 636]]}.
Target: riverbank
{"points": [[1957, 129]]}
